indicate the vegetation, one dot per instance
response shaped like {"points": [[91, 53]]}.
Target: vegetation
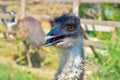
{"points": [[110, 66], [7, 72], [110, 12]]}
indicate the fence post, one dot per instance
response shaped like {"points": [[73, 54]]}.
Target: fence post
{"points": [[3, 7], [113, 35], [23, 6], [76, 7], [4, 20], [99, 11]]}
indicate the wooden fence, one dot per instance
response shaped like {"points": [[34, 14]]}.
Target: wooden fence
{"points": [[83, 1], [92, 25]]}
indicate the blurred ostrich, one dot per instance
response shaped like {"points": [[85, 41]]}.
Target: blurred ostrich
{"points": [[66, 34], [9, 23], [29, 31]]}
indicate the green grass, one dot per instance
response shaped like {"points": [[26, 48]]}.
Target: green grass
{"points": [[110, 66], [99, 35], [9, 73]]}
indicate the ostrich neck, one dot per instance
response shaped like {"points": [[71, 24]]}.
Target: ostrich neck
{"points": [[71, 62]]}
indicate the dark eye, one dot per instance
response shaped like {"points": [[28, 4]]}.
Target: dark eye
{"points": [[70, 28]]}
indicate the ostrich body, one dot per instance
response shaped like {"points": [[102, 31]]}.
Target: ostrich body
{"points": [[66, 34], [30, 32]]}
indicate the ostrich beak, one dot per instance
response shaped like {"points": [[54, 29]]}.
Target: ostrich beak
{"points": [[47, 39], [53, 39], [54, 36]]}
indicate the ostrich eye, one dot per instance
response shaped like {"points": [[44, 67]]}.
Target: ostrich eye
{"points": [[70, 28]]}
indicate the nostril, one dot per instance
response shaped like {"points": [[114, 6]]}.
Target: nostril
{"points": [[51, 33]]}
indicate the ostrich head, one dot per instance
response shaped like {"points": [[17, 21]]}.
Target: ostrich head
{"points": [[12, 14], [65, 31], [11, 22]]}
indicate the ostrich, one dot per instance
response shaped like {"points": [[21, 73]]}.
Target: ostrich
{"points": [[29, 31], [11, 20], [9, 23], [66, 34]]}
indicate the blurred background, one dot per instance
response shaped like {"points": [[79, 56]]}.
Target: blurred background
{"points": [[100, 20]]}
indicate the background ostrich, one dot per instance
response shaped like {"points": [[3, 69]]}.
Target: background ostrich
{"points": [[29, 31], [9, 23], [66, 34]]}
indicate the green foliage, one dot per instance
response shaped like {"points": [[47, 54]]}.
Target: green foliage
{"points": [[110, 11], [19, 57], [7, 72], [110, 67], [99, 35], [46, 61], [83, 8], [118, 34], [1, 28], [51, 57]]}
